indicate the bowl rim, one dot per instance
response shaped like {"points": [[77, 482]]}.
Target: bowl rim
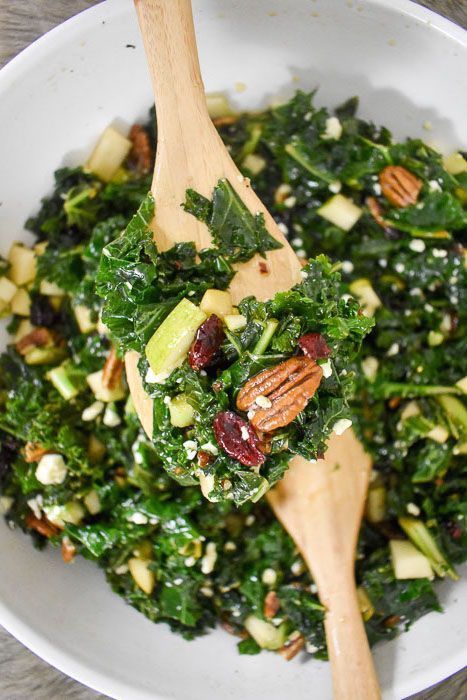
{"points": [[28, 636]]}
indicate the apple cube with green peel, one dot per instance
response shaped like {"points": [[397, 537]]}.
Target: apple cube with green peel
{"points": [[340, 211], [408, 562], [181, 412], [216, 301], [170, 343], [265, 634]]}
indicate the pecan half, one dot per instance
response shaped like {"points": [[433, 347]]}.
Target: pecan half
{"points": [[42, 526], [37, 338], [112, 372], [141, 151], [400, 187], [293, 645], [33, 452], [228, 120], [68, 550], [271, 604], [284, 391]]}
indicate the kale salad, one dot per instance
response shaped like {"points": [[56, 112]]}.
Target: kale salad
{"points": [[371, 336]]}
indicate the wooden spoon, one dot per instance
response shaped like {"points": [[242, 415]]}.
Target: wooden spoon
{"points": [[319, 504]]}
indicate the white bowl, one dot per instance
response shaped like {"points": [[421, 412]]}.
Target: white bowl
{"points": [[408, 66]]}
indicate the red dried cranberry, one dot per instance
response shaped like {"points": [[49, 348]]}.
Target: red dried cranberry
{"points": [[237, 438], [314, 345], [454, 530], [206, 345]]}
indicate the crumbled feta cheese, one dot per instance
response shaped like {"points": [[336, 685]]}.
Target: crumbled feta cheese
{"points": [[297, 242], [269, 577], [290, 202], [428, 308], [341, 426], [393, 350], [335, 187], [303, 274], [208, 562], [415, 292], [311, 648], [383, 262], [370, 367], [167, 400], [333, 129], [209, 447], [263, 402], [399, 267], [245, 433], [327, 369], [152, 378], [72, 512], [445, 325], [35, 505], [439, 252], [434, 186], [191, 447], [377, 189], [138, 519], [250, 414], [111, 418], [301, 253], [230, 547], [92, 411], [283, 228], [51, 470], [413, 509], [347, 267], [250, 519], [417, 245], [207, 592], [122, 569], [313, 588], [190, 561], [297, 567]]}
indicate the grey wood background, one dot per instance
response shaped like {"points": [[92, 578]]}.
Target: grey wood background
{"points": [[22, 674]]}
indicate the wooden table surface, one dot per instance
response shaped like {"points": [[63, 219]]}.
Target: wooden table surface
{"points": [[22, 674]]}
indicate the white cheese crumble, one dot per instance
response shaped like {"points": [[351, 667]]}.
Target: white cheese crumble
{"points": [[138, 519], [335, 187], [399, 267], [341, 426], [210, 447], [190, 561], [434, 186], [250, 519], [383, 262], [208, 562], [297, 242], [35, 505], [290, 202], [417, 245], [111, 418], [51, 470], [393, 350], [347, 267], [297, 567], [311, 648], [92, 411], [439, 252], [327, 369], [122, 569], [415, 292], [377, 188], [413, 509], [370, 367], [250, 414], [269, 577], [152, 378], [230, 547], [333, 129], [244, 432], [283, 228], [191, 447], [263, 402]]}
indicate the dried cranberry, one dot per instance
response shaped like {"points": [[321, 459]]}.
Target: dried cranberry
{"points": [[205, 347], [314, 345], [42, 312], [237, 438], [8, 452], [454, 530]]}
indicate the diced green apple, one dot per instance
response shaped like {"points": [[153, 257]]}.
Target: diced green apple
{"points": [[216, 302], [8, 290], [168, 347], [84, 320], [235, 322], [101, 392], [22, 264], [340, 211], [21, 303], [265, 634], [181, 412], [366, 295], [108, 154], [408, 562]]}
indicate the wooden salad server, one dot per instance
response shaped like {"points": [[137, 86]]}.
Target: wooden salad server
{"points": [[320, 504]]}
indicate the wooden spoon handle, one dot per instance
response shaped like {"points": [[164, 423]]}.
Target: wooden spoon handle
{"points": [[353, 672]]}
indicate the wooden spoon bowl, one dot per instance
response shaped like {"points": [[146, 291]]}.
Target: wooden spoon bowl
{"points": [[320, 504]]}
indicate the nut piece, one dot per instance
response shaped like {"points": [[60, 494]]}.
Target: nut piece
{"points": [[288, 386], [112, 372], [68, 550], [41, 525], [141, 152], [33, 452], [271, 604], [293, 645], [400, 187], [37, 338]]}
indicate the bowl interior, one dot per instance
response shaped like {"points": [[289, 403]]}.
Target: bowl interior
{"points": [[55, 99]]}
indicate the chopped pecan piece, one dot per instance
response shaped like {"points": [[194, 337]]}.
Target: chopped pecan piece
{"points": [[140, 157], [68, 550], [282, 392], [112, 372], [41, 525], [400, 187], [263, 267], [33, 452], [376, 211], [37, 338], [227, 120], [204, 458], [271, 604], [293, 645]]}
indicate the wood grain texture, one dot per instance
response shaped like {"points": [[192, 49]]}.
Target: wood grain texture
{"points": [[22, 674]]}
